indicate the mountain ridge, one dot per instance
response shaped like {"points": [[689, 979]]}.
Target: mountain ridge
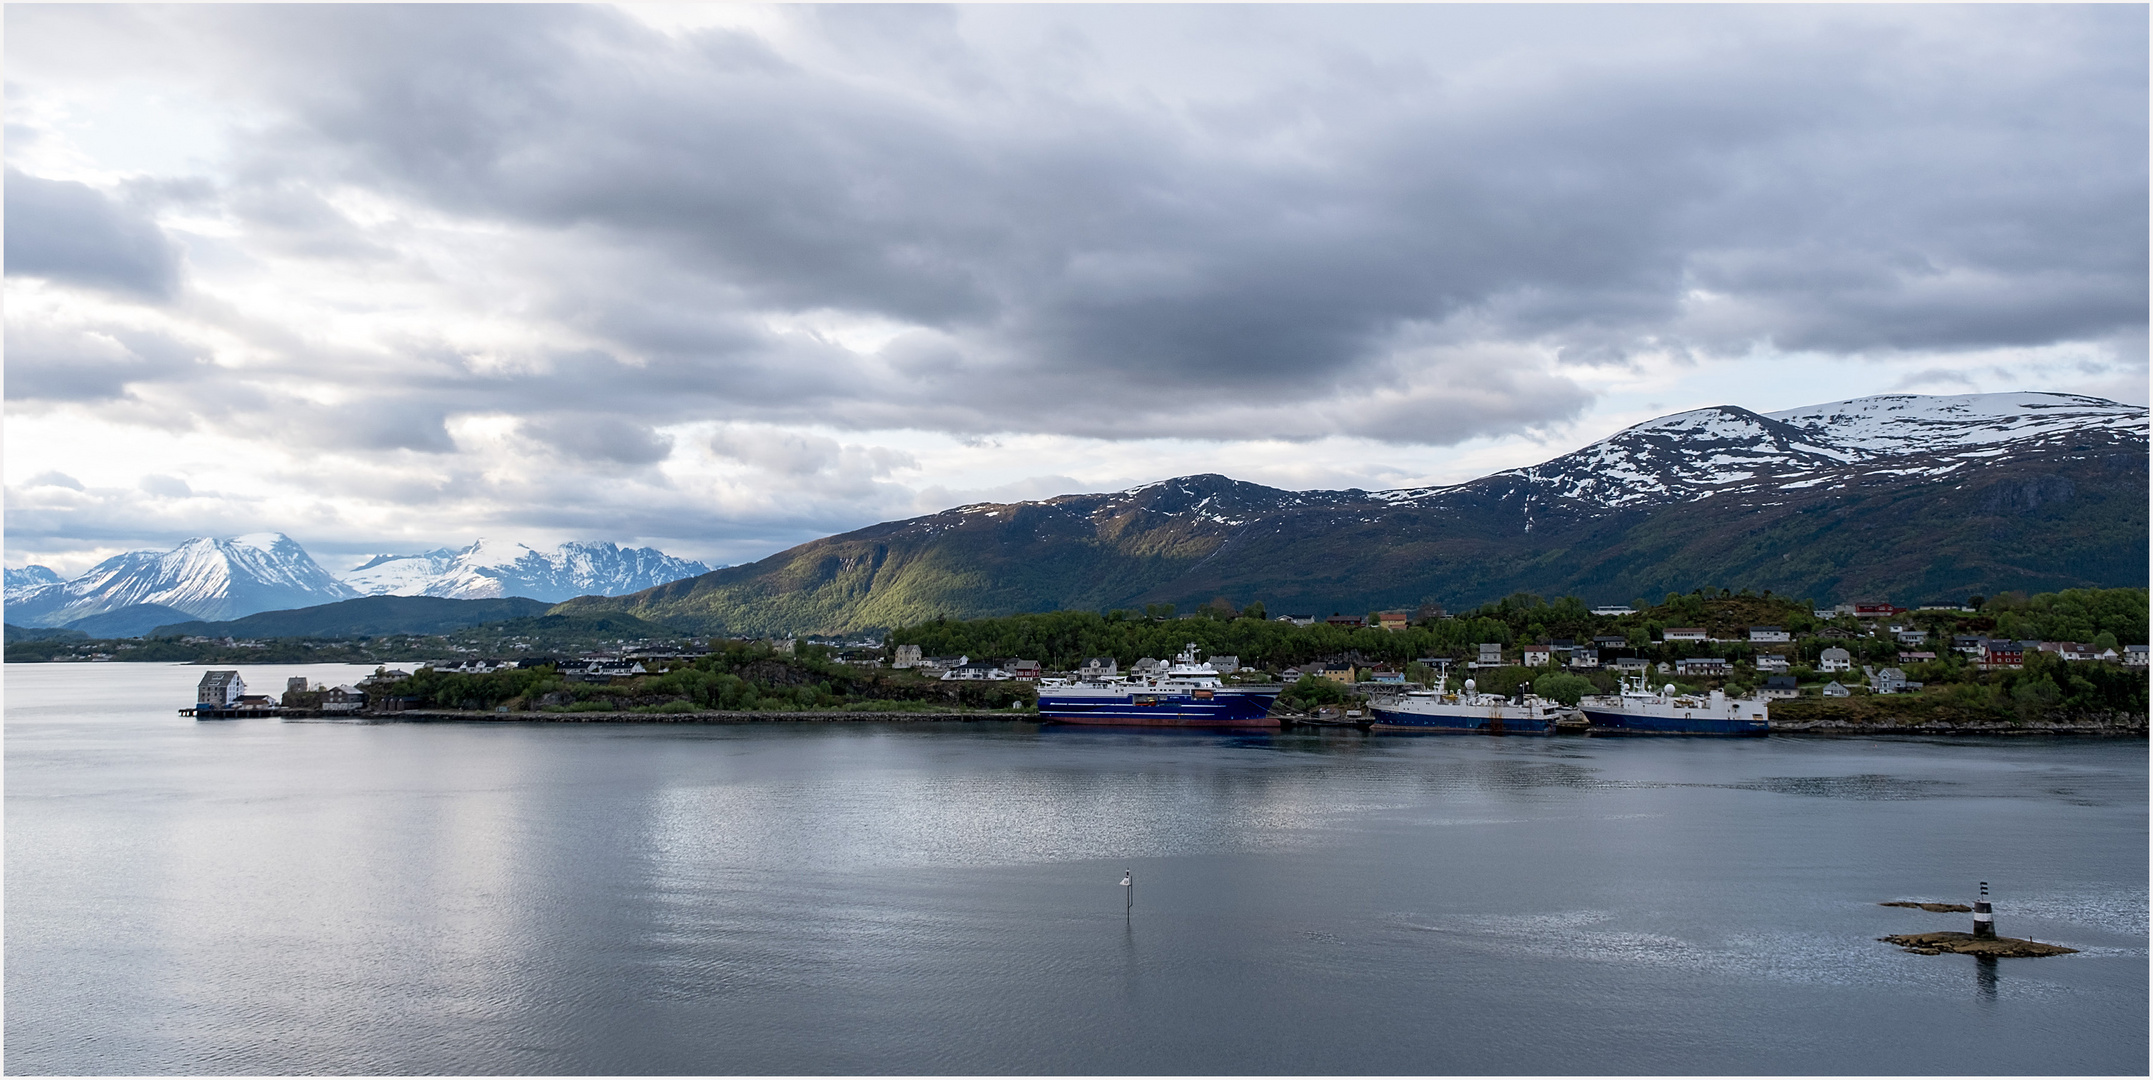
{"points": [[485, 569], [205, 577], [1905, 495], [219, 579]]}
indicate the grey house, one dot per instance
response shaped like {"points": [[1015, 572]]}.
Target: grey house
{"points": [[220, 689]]}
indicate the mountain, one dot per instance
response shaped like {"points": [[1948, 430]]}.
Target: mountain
{"points": [[205, 578], [29, 577], [1906, 497], [134, 620], [367, 616], [487, 569]]}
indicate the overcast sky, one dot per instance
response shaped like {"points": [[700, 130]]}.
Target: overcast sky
{"points": [[721, 280]]}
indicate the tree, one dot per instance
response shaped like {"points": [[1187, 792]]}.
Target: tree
{"points": [[1563, 687], [1310, 691], [1254, 610]]}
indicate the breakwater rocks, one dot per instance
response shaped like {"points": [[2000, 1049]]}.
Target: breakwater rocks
{"points": [[2115, 725], [421, 716], [1927, 905], [1953, 941]]}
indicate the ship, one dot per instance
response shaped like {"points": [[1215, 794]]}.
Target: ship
{"points": [[1469, 712], [1638, 710], [1188, 694]]}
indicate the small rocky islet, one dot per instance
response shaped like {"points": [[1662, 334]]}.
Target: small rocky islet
{"points": [[1939, 942]]}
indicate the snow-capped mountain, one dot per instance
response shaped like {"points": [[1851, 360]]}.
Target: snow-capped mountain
{"points": [[204, 577], [489, 569], [27, 578], [1698, 454]]}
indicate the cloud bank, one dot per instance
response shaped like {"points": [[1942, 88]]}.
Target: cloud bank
{"points": [[492, 262]]}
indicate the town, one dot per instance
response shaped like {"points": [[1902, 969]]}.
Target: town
{"points": [[2012, 659]]}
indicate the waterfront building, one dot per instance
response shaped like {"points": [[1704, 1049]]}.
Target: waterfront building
{"points": [[220, 689]]}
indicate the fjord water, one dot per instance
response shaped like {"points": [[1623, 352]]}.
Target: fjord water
{"points": [[265, 896]]}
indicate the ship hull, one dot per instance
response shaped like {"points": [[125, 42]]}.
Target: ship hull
{"points": [[1471, 723], [1161, 710], [1613, 722]]}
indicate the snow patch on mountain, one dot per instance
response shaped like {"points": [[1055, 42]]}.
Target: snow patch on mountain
{"points": [[1930, 423], [489, 568]]}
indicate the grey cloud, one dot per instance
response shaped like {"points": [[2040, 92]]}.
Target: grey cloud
{"points": [[1843, 204], [1113, 223], [88, 364], [598, 438], [72, 232], [55, 479]]}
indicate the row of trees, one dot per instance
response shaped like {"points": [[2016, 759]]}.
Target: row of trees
{"points": [[734, 676], [1064, 639]]}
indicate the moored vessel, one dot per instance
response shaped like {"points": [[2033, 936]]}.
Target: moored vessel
{"points": [[1189, 694], [1638, 710], [1468, 712]]}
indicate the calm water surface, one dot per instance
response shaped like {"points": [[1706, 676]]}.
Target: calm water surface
{"points": [[260, 896]]}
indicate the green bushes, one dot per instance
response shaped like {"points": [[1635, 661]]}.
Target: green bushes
{"points": [[1563, 687], [1311, 691]]}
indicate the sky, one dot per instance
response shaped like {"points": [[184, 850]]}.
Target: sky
{"points": [[723, 279]]}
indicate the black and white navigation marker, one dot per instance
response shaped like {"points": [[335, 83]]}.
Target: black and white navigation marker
{"points": [[1984, 921]]}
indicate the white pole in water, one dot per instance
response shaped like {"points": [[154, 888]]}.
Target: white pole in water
{"points": [[1984, 920], [1128, 885]]}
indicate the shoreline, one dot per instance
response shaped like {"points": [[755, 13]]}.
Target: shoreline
{"points": [[2132, 729]]}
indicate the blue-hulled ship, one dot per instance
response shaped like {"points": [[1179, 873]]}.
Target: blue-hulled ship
{"points": [[1638, 710], [1439, 712], [1188, 694]]}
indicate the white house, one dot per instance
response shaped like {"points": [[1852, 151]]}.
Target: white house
{"points": [[2134, 655], [1536, 655], [1225, 665], [1584, 658], [1892, 681], [908, 656], [342, 699], [1098, 667], [1615, 609], [1683, 633], [1833, 689], [1835, 659], [1771, 662], [1771, 634]]}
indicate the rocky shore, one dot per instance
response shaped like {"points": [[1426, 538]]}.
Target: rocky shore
{"points": [[1953, 941], [421, 716], [2113, 725]]}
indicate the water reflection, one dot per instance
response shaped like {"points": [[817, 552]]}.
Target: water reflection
{"points": [[1985, 978]]}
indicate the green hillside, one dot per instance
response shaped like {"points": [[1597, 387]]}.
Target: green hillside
{"points": [[2060, 518]]}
